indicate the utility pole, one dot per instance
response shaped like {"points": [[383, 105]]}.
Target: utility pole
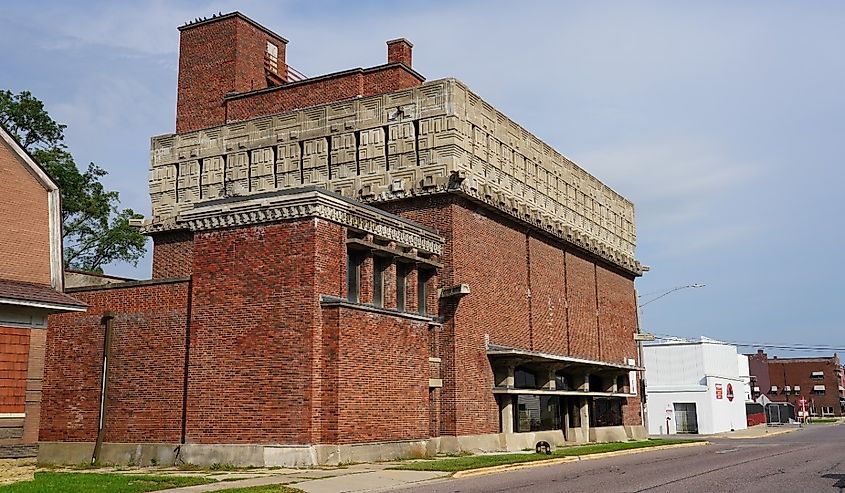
{"points": [[639, 337]]}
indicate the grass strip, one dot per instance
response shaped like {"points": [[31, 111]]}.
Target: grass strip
{"points": [[80, 482], [479, 461]]}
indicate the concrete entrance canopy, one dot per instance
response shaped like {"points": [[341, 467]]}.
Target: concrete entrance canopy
{"points": [[524, 356]]}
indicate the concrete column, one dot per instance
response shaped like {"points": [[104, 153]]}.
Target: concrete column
{"points": [[507, 413], [585, 417]]}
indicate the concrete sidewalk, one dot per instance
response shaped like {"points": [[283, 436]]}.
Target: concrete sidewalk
{"points": [[355, 478], [758, 431]]}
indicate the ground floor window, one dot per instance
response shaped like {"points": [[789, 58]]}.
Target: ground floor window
{"points": [[537, 413], [606, 411], [574, 413]]}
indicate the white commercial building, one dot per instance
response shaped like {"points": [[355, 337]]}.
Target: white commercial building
{"points": [[695, 387]]}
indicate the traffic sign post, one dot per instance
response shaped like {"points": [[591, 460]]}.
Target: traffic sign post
{"points": [[803, 412]]}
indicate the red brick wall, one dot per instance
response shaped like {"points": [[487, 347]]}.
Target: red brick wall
{"points": [[299, 95], [34, 377], [399, 51], [172, 254], [343, 86], [381, 365], [147, 366], [14, 354], [252, 322], [783, 372], [389, 79], [214, 59], [548, 297], [502, 263], [24, 220], [617, 315], [583, 310]]}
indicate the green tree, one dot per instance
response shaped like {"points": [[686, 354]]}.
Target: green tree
{"points": [[95, 231]]}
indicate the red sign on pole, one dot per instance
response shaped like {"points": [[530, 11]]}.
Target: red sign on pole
{"points": [[730, 392]]}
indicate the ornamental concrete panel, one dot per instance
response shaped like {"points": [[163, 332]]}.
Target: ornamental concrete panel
{"points": [[435, 138]]}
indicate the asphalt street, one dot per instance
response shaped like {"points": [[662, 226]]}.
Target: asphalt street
{"points": [[807, 460]]}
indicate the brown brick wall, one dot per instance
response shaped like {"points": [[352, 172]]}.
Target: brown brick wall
{"points": [[254, 310], [172, 254], [343, 86], [14, 354], [24, 220], [503, 263], [382, 376], [34, 378], [784, 372], [147, 366], [227, 56], [617, 311]]}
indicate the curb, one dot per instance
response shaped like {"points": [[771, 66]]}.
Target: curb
{"points": [[774, 433], [573, 458]]}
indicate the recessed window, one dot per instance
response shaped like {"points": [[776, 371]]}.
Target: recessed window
{"points": [[423, 276], [401, 285], [380, 265], [524, 378], [537, 413], [354, 260], [606, 412]]}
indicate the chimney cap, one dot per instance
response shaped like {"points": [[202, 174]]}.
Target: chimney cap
{"points": [[216, 18], [400, 40]]}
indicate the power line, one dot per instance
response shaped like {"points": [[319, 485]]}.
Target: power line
{"points": [[785, 347]]}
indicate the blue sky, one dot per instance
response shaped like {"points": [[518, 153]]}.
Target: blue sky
{"points": [[723, 123]]}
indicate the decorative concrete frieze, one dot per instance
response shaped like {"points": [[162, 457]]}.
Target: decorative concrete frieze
{"points": [[310, 202], [435, 138]]}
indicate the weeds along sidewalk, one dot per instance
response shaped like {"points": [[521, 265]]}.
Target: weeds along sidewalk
{"points": [[566, 454]]}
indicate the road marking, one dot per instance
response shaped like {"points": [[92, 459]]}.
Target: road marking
{"points": [[727, 451]]}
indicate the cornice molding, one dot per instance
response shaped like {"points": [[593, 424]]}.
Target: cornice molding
{"points": [[310, 203]]}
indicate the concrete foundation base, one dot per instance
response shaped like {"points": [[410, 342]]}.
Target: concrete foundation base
{"points": [[143, 454]]}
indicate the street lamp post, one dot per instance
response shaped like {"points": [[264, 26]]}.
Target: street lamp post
{"points": [[641, 336]]}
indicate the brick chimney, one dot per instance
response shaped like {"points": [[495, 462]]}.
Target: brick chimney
{"points": [[220, 55], [399, 51]]}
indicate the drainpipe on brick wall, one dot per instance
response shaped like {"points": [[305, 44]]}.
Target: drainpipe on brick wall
{"points": [[108, 326]]}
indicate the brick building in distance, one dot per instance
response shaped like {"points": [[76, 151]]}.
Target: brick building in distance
{"points": [[356, 266], [30, 289], [818, 380]]}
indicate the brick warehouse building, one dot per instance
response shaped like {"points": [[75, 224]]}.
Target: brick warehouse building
{"points": [[355, 266], [818, 380]]}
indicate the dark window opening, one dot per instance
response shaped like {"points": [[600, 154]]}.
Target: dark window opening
{"points": [[537, 413], [561, 381], [596, 383], [620, 384], [380, 265], [423, 276], [401, 285], [524, 378], [353, 274], [574, 413], [606, 411]]}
